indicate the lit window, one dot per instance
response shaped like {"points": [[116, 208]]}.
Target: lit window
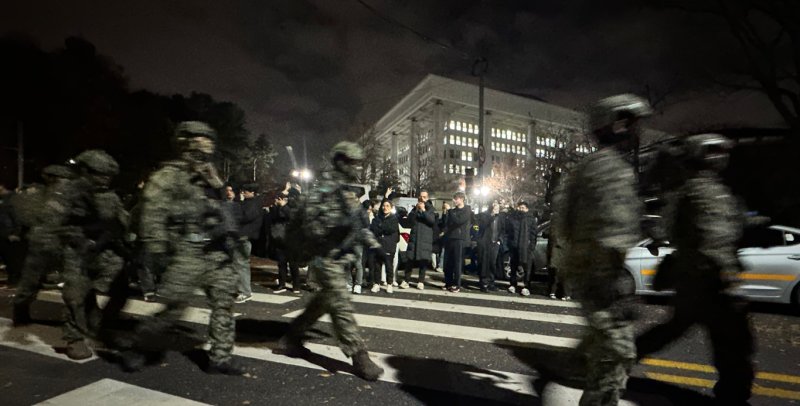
{"points": [[469, 156], [524, 137], [452, 124], [452, 139]]}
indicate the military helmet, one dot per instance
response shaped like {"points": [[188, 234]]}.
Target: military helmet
{"points": [[191, 129], [610, 109], [348, 150], [58, 171], [98, 161], [708, 151]]}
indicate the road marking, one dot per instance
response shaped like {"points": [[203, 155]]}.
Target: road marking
{"points": [[474, 310], [29, 339], [767, 376], [461, 379], [708, 383], [766, 277], [484, 335], [111, 392], [263, 297], [141, 308], [511, 298]]}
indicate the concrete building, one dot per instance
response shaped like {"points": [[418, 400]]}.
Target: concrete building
{"points": [[434, 130]]}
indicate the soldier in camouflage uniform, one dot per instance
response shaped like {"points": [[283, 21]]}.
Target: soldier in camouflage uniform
{"points": [[705, 225], [598, 221], [337, 220], [45, 252], [94, 225], [187, 234]]}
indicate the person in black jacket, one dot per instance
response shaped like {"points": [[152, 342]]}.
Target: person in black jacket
{"points": [[456, 234], [422, 221], [250, 222], [386, 228], [521, 239], [279, 216], [491, 230]]}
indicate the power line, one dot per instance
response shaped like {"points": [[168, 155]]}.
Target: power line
{"points": [[427, 38]]}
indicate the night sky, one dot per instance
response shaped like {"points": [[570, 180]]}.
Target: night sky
{"points": [[320, 69]]}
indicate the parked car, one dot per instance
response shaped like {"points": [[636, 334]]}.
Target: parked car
{"points": [[770, 257]]}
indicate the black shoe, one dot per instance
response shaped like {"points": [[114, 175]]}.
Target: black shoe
{"points": [[492, 288], [484, 288], [229, 367], [78, 350], [365, 368], [293, 348]]}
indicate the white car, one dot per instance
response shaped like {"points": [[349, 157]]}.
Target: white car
{"points": [[770, 257]]}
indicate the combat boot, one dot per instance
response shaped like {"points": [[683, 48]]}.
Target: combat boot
{"points": [[292, 347], [78, 350], [229, 367], [365, 368], [22, 315]]}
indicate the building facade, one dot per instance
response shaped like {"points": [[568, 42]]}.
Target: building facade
{"points": [[434, 131]]}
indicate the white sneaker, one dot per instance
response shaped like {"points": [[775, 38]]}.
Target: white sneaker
{"points": [[357, 289], [566, 298], [375, 288], [420, 285], [394, 284], [404, 285], [389, 289], [525, 292], [512, 289]]}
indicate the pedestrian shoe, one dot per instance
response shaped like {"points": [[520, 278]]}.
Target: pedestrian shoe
{"points": [[420, 285], [21, 316], [512, 289], [525, 292], [389, 289], [279, 289], [229, 367], [404, 285], [394, 284], [375, 288], [149, 297], [365, 368], [455, 289], [246, 298], [78, 350], [492, 288], [296, 291], [553, 296], [445, 287], [566, 298]]}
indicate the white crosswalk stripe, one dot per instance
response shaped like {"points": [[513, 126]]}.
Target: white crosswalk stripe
{"points": [[112, 392], [473, 310]]}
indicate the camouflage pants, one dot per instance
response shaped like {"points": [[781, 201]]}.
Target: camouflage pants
{"points": [[332, 299], [725, 318], [44, 254], [192, 268], [608, 343], [85, 274]]}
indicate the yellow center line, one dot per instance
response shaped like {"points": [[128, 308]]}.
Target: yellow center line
{"points": [[689, 366], [707, 383]]}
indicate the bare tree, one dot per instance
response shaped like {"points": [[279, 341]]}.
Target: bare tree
{"points": [[768, 32]]}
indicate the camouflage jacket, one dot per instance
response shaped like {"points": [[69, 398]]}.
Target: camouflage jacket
{"points": [[85, 213], [705, 231], [598, 214], [177, 207]]}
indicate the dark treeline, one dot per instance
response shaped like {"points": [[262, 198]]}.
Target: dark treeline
{"points": [[74, 98]]}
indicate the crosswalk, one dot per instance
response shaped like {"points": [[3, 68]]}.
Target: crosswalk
{"points": [[427, 317]]}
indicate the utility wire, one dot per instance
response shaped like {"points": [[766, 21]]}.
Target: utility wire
{"points": [[397, 23]]}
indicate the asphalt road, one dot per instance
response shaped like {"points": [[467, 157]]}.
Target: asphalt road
{"points": [[436, 347]]}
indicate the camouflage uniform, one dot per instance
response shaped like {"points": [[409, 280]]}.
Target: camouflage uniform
{"points": [[598, 223], [188, 233], [93, 229], [330, 269], [45, 251], [331, 215], [705, 230]]}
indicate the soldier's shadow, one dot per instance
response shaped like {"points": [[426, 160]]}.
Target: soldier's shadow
{"points": [[567, 367], [437, 382]]}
